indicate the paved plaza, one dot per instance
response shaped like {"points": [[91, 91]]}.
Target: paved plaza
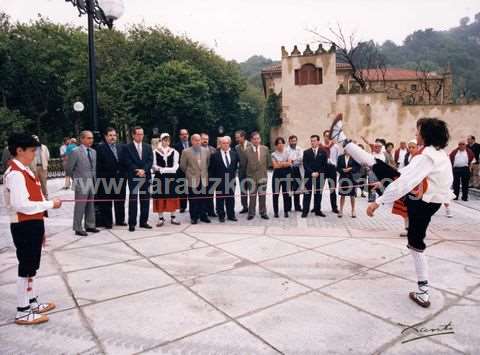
{"points": [[283, 286]]}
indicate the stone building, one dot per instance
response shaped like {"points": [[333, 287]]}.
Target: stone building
{"points": [[312, 87]]}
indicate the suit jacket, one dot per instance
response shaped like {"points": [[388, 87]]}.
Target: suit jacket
{"points": [[195, 171], [179, 147], [107, 164], [351, 164], [132, 161], [218, 168], [314, 164], [241, 151], [258, 169], [79, 166]]}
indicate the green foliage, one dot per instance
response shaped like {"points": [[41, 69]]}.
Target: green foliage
{"points": [[146, 76], [273, 110], [252, 68], [10, 121], [435, 50]]}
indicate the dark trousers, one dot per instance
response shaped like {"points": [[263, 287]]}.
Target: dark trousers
{"points": [[182, 196], [197, 198], [419, 216], [419, 212], [139, 190], [461, 176], [225, 200], [281, 182], [243, 190], [296, 185], [209, 202], [28, 239], [332, 185], [118, 194], [315, 186]]}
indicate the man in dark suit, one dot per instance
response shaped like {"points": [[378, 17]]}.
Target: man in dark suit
{"points": [[113, 182], [315, 164], [182, 144], [223, 168], [138, 159], [210, 205]]}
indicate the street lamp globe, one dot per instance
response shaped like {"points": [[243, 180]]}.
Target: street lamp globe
{"points": [[113, 9], [78, 106]]}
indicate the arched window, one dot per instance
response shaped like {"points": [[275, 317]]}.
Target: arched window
{"points": [[308, 74]]}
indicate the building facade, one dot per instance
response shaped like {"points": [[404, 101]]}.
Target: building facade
{"points": [[312, 88]]}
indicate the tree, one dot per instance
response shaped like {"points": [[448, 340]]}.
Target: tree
{"points": [[364, 58], [464, 21], [10, 121]]}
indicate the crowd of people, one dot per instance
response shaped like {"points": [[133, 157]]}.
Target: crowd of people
{"points": [[194, 173], [417, 179]]}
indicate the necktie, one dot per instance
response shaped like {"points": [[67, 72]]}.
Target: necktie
{"points": [[114, 150], [139, 150], [315, 153], [89, 158], [258, 153], [227, 159]]}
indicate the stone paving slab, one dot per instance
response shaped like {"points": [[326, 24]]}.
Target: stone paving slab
{"points": [[282, 286]]}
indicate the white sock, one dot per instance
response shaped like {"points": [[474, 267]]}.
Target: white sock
{"points": [[421, 266], [22, 292], [32, 291], [359, 155]]}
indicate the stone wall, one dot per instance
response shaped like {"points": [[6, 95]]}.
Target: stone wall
{"points": [[373, 116]]}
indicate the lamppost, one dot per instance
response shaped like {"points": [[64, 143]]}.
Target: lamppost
{"points": [[103, 12], [78, 107]]}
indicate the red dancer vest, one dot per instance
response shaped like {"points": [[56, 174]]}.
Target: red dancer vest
{"points": [[34, 191]]}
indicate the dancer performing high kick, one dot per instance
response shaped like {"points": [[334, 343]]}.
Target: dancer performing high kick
{"points": [[423, 186]]}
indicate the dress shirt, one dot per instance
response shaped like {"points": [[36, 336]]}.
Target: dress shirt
{"points": [[461, 159]]}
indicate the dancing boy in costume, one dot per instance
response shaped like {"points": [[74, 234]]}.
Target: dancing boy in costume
{"points": [[27, 206], [423, 185]]}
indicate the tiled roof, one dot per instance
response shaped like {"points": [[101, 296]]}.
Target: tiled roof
{"points": [[277, 67], [397, 74], [391, 74]]}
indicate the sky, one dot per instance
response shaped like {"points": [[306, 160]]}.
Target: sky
{"points": [[239, 29]]}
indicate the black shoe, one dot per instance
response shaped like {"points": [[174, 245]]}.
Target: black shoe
{"points": [[335, 210], [455, 199], [81, 233], [108, 227], [92, 230], [146, 226], [250, 217], [244, 210], [212, 214], [313, 210], [304, 214], [221, 219], [194, 221], [122, 224], [205, 219], [285, 215], [276, 215], [131, 228], [320, 213], [182, 210], [264, 216], [298, 209], [464, 199], [233, 219]]}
